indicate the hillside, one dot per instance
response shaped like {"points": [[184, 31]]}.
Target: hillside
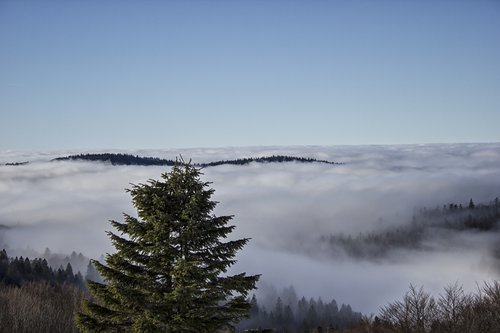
{"points": [[128, 159]]}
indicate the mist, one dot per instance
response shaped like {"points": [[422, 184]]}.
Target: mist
{"points": [[284, 208]]}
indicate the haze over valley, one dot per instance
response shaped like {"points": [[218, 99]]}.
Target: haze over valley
{"points": [[302, 218]]}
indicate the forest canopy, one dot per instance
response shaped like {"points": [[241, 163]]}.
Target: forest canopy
{"points": [[128, 159]]}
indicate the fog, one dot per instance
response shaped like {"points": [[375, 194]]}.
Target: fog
{"points": [[285, 208]]}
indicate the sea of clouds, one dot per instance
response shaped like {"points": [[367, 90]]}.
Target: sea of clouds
{"points": [[283, 207]]}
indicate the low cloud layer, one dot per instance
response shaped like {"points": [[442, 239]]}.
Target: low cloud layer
{"points": [[285, 208]]}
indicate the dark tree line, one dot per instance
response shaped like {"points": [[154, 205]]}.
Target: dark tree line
{"points": [[118, 159], [268, 159], [482, 217], [127, 159], [292, 315], [34, 297], [450, 217], [16, 163], [17, 271], [78, 261]]}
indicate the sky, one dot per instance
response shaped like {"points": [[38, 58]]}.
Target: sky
{"points": [[181, 74]]}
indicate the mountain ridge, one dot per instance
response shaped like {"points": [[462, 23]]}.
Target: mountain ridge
{"points": [[129, 159]]}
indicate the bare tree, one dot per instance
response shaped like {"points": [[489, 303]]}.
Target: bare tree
{"points": [[414, 314], [39, 307]]}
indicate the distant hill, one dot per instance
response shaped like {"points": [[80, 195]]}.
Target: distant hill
{"points": [[16, 163], [128, 159], [423, 226], [117, 159]]}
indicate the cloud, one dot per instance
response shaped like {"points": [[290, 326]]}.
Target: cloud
{"points": [[284, 208]]}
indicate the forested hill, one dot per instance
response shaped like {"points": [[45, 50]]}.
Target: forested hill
{"points": [[128, 159], [117, 159], [425, 225]]}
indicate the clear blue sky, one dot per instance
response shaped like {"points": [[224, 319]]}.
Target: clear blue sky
{"points": [[165, 74]]}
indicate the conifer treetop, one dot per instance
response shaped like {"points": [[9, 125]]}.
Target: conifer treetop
{"points": [[168, 273]]}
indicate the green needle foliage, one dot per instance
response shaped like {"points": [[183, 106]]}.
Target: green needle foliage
{"points": [[168, 271]]}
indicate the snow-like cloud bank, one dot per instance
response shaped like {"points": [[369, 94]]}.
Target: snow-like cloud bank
{"points": [[284, 208]]}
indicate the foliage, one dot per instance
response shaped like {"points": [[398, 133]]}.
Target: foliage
{"points": [[92, 274], [16, 163], [169, 270], [268, 159], [127, 159], [78, 261], [17, 271], [425, 222], [39, 307], [453, 311], [118, 159], [293, 315]]}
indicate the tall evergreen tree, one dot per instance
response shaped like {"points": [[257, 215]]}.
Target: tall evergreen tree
{"points": [[168, 272]]}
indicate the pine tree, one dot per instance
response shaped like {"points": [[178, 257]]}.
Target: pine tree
{"points": [[168, 272], [92, 273], [471, 204]]}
